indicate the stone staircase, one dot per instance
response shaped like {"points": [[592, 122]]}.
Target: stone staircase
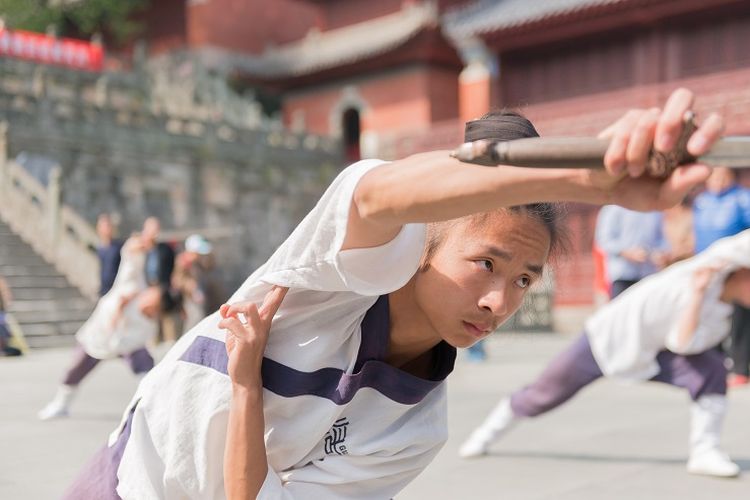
{"points": [[48, 308]]}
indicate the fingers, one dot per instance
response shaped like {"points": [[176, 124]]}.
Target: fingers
{"points": [[231, 319], [634, 135], [639, 147], [615, 158], [248, 309], [257, 319], [703, 138], [272, 302], [223, 310], [670, 122], [269, 307], [235, 326]]}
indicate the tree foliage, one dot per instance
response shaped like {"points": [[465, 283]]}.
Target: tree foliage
{"points": [[115, 19]]}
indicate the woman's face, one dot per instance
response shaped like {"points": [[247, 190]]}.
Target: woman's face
{"points": [[478, 276]]}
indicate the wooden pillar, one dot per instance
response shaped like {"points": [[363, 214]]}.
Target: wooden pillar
{"points": [[478, 81]]}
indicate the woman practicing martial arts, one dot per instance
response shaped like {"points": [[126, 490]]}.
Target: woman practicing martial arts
{"points": [[344, 398], [122, 323], [663, 328]]}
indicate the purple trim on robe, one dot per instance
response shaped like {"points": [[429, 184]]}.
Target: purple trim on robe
{"points": [[208, 352], [98, 480], [375, 329], [335, 384]]}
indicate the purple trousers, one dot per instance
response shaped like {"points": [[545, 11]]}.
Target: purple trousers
{"points": [[140, 361], [575, 368], [98, 481]]}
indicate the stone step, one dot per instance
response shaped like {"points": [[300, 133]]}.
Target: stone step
{"points": [[50, 341], [27, 270], [37, 281], [52, 317], [25, 258], [49, 309], [10, 239], [33, 293], [32, 331], [58, 304]]}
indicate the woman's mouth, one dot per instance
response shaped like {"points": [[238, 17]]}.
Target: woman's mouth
{"points": [[475, 330]]}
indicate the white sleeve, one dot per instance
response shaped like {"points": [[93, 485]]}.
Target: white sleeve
{"points": [[311, 258], [371, 477]]}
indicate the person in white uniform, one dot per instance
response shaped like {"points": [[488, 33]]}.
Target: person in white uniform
{"points": [[345, 396], [121, 325], [664, 329]]}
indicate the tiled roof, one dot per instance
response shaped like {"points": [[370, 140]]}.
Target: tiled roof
{"points": [[484, 16], [322, 50]]}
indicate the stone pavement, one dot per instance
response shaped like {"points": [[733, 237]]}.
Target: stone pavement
{"points": [[611, 442]]}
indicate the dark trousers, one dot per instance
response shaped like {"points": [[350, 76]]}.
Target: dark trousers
{"points": [[575, 368], [140, 361], [740, 349]]}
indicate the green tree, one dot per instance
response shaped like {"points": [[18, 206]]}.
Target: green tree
{"points": [[32, 15], [116, 19]]}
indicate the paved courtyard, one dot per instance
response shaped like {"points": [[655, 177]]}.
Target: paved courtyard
{"points": [[611, 442]]}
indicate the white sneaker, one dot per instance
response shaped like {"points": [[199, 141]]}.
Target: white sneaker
{"points": [[713, 462], [476, 445], [53, 410], [58, 407], [497, 423]]}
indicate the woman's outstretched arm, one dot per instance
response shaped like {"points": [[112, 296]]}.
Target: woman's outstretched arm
{"points": [[433, 186]]}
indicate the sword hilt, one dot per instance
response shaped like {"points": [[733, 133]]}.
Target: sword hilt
{"points": [[569, 152]]}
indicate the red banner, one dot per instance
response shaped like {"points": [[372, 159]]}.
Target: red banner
{"points": [[50, 50]]}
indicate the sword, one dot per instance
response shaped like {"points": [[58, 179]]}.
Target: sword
{"points": [[586, 152]]}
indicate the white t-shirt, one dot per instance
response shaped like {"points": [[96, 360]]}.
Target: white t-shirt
{"points": [[340, 423], [627, 333]]}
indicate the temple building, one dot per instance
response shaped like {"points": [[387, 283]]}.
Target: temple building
{"points": [[394, 77]]}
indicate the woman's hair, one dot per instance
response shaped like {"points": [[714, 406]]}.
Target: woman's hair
{"points": [[504, 125]]}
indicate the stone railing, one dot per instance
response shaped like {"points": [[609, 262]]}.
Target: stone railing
{"points": [[56, 232]]}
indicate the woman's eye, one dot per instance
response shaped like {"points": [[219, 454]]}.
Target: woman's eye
{"points": [[523, 282], [486, 264]]}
